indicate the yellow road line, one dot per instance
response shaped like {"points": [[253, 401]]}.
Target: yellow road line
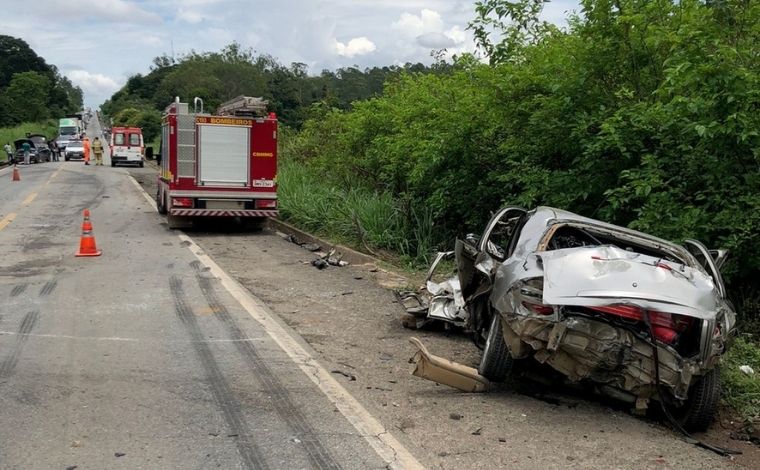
{"points": [[7, 219], [29, 199]]}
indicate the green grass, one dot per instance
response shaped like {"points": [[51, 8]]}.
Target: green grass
{"points": [[48, 128], [742, 391], [358, 217]]}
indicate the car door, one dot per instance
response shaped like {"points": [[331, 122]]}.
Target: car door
{"points": [[706, 259], [497, 237], [492, 248]]}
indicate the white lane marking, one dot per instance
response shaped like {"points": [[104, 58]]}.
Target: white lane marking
{"points": [[127, 340], [386, 446], [145, 194]]}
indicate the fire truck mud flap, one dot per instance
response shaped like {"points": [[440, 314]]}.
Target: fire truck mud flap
{"points": [[179, 222]]}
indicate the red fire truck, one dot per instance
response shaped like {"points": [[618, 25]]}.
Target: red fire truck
{"points": [[222, 165]]}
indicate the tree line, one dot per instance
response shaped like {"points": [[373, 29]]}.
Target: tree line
{"points": [[32, 90], [219, 76]]}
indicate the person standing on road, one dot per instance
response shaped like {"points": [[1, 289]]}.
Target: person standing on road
{"points": [[97, 149], [8, 151], [27, 152], [54, 149], [86, 146]]}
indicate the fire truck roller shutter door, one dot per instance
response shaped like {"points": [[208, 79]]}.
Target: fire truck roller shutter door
{"points": [[224, 155]]}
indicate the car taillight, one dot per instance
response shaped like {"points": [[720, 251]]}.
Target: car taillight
{"points": [[665, 326], [266, 203], [539, 309], [182, 202]]}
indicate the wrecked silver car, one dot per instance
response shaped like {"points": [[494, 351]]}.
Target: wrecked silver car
{"points": [[637, 317]]}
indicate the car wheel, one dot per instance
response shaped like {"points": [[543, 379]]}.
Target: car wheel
{"points": [[699, 410], [113, 164], [496, 362], [142, 164]]}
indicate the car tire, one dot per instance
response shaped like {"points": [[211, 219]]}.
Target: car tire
{"points": [[496, 362], [113, 164], [142, 164], [704, 396]]}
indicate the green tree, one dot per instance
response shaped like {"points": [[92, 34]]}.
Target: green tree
{"points": [[15, 57], [27, 97]]}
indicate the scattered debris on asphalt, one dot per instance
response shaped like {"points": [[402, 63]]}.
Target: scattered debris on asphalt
{"points": [[329, 259], [319, 263], [350, 377]]}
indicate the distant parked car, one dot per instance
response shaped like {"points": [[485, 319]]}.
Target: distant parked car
{"points": [[43, 146], [38, 151], [74, 150]]}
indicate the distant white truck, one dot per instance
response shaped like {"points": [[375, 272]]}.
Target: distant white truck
{"points": [[69, 129]]}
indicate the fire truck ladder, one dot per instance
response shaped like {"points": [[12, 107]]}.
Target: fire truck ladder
{"points": [[243, 106]]}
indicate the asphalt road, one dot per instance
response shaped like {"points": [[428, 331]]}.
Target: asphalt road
{"points": [[144, 357]]}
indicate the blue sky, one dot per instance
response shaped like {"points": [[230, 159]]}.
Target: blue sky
{"points": [[98, 44]]}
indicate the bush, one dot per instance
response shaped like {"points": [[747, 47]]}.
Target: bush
{"points": [[742, 391]]}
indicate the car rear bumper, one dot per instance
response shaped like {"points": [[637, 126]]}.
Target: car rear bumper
{"points": [[123, 159]]}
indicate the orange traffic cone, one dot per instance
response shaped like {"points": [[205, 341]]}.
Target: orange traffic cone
{"points": [[16, 174], [87, 241], [87, 225]]}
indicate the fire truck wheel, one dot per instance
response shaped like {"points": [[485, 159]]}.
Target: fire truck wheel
{"points": [[254, 224], [160, 203]]}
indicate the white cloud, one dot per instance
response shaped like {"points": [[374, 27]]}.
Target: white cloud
{"points": [[435, 40], [95, 83], [355, 47], [120, 11], [189, 16], [428, 21], [456, 35]]}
